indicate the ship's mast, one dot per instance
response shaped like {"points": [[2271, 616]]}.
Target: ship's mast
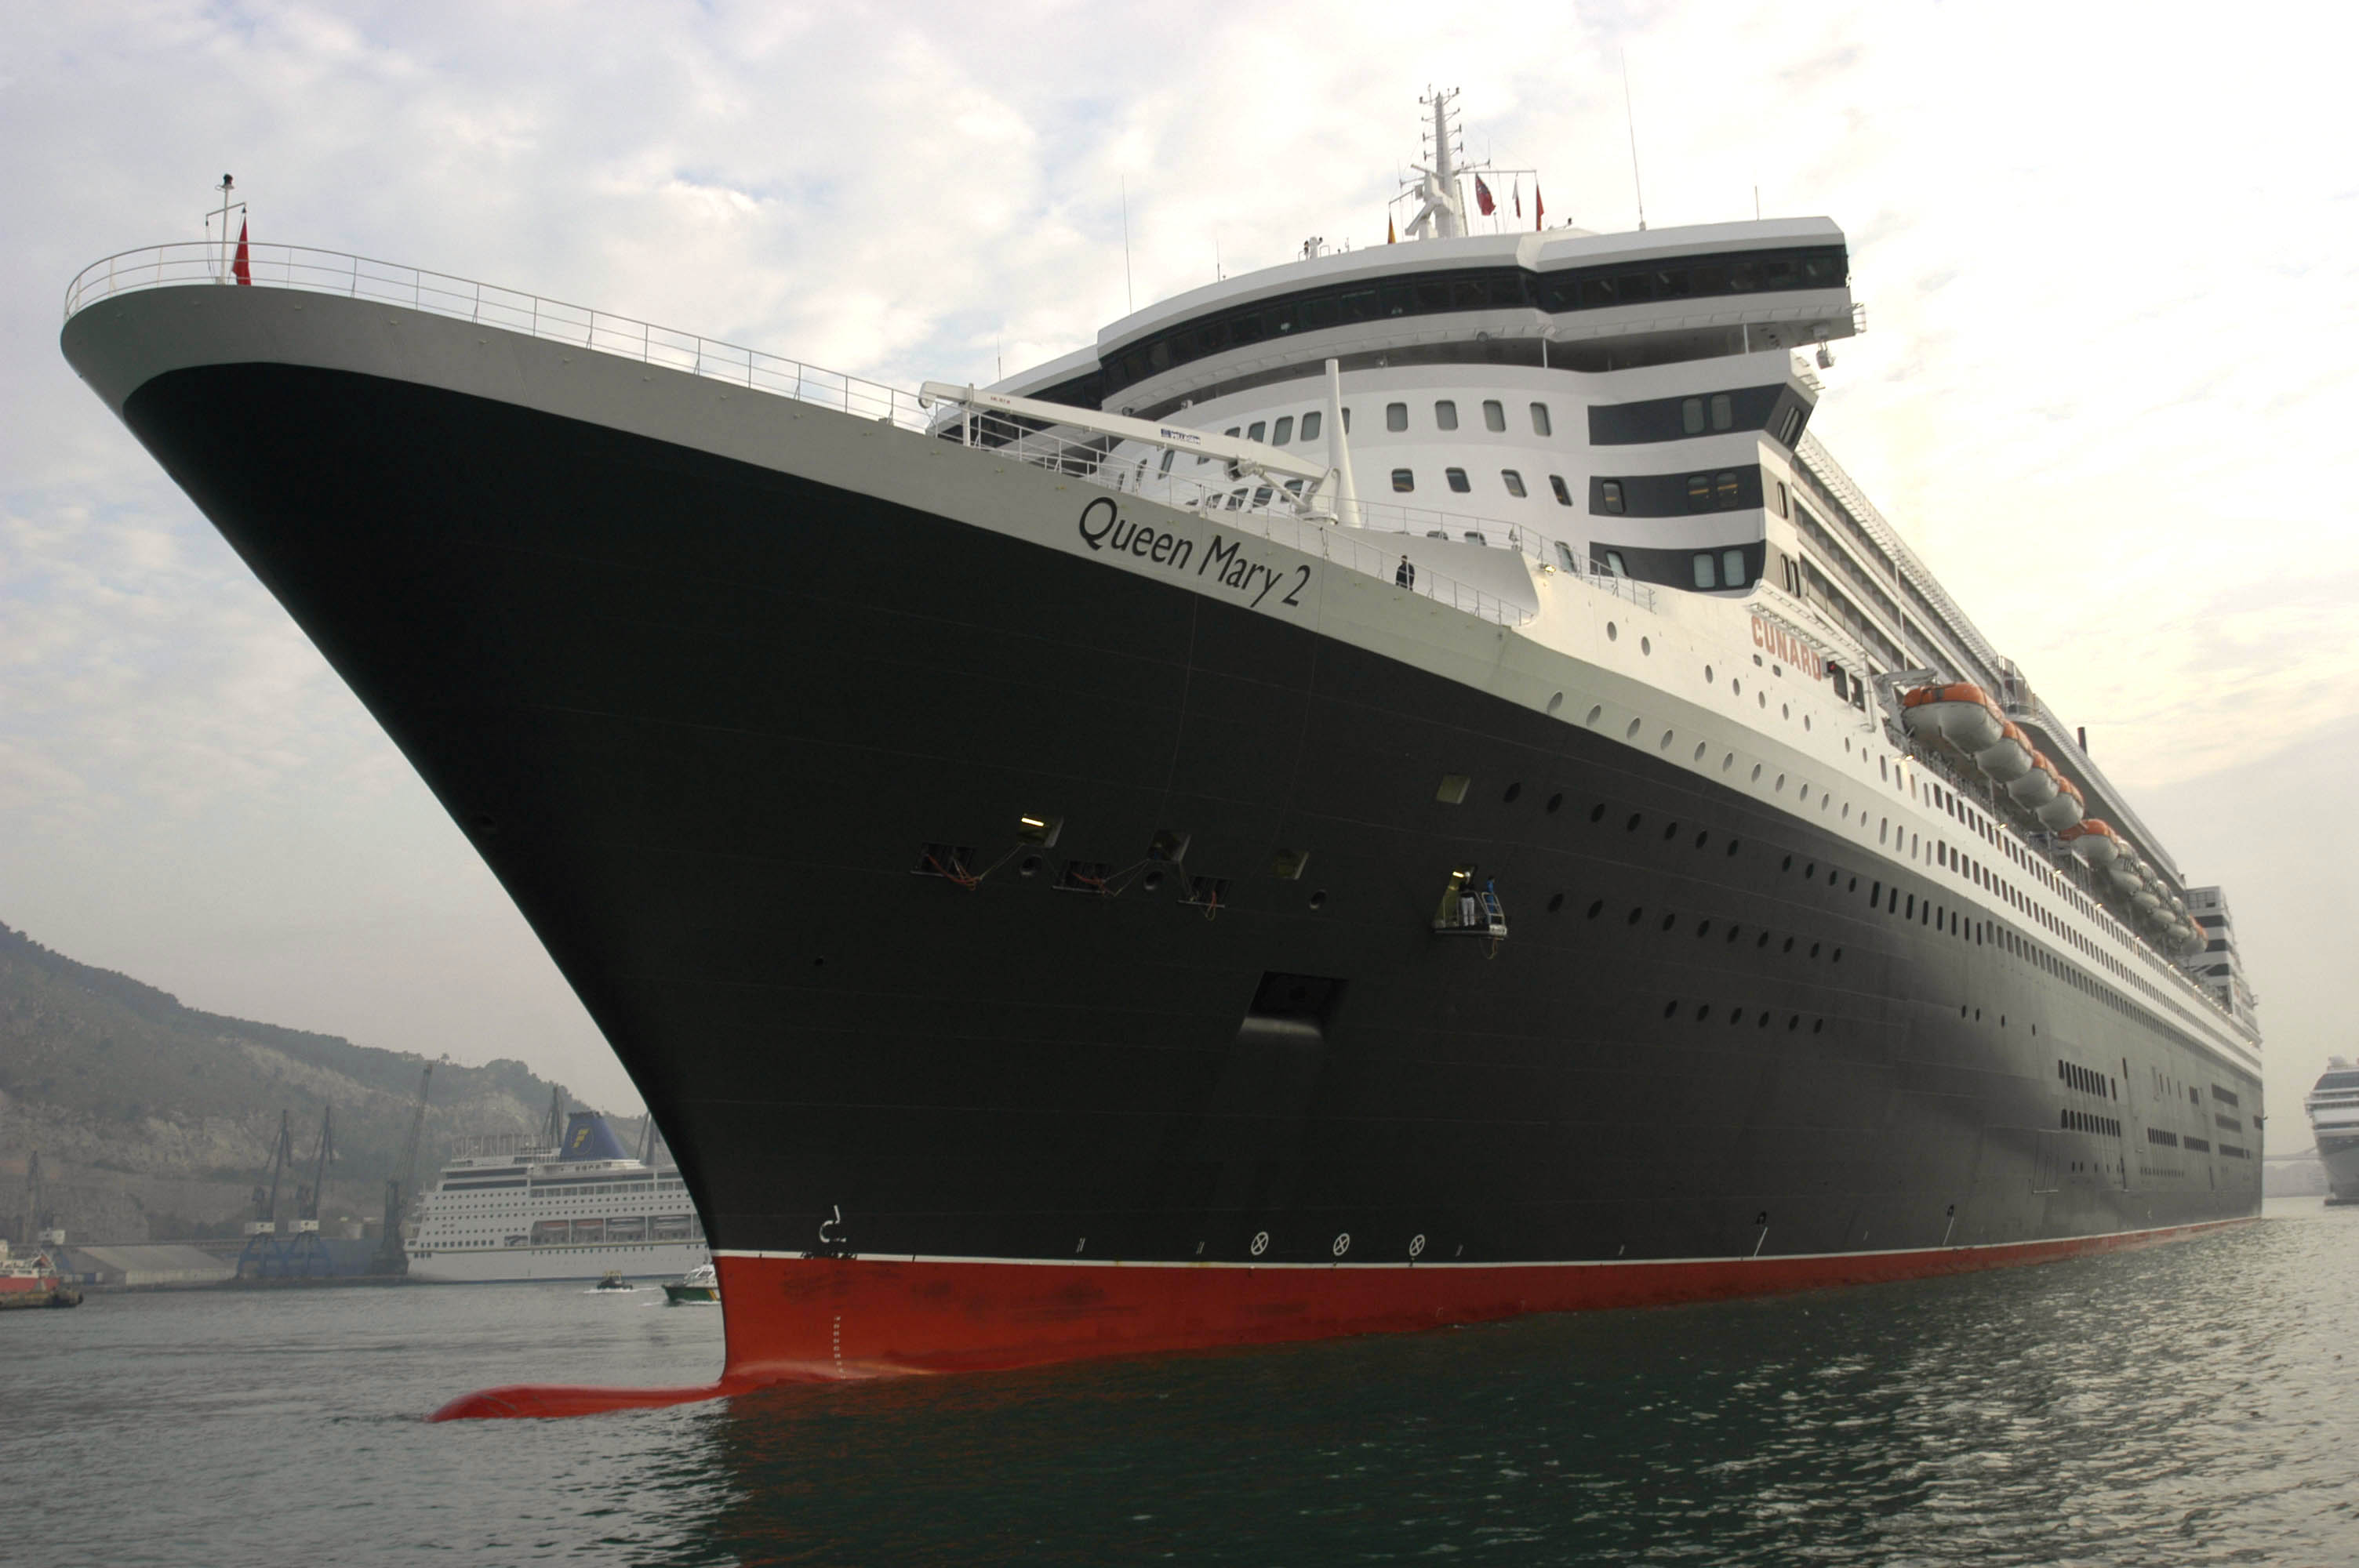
{"points": [[1443, 215]]}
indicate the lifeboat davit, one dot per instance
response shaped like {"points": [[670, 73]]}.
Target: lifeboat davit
{"points": [[2093, 839], [2008, 758], [2039, 785], [2067, 807], [1964, 716]]}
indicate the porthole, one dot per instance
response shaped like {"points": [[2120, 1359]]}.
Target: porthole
{"points": [[1030, 866], [1671, 831], [1556, 903], [1756, 773], [1814, 950], [1596, 909], [1781, 784], [1558, 701], [1665, 743], [1646, 645], [1733, 844], [1319, 899], [1787, 864], [1595, 713], [1806, 722], [1761, 698], [1701, 838], [1702, 747], [1761, 941], [1703, 1012], [1846, 811], [1707, 675], [1635, 914], [1805, 792], [1512, 791], [1763, 1020], [1612, 632], [1737, 688], [1597, 812], [1788, 947], [1703, 929], [1794, 1022], [1733, 932], [1818, 1025], [1632, 732], [1636, 818], [1727, 761], [1554, 801], [1669, 921], [1785, 710], [1736, 1015], [1152, 880]]}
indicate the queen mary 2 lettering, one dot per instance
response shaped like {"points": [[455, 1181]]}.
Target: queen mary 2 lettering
{"points": [[1404, 788]]}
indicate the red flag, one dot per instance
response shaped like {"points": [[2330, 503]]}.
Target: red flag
{"points": [[1389, 228], [1539, 207], [1519, 198], [1483, 197], [240, 269]]}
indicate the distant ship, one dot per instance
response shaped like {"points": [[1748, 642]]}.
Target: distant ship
{"points": [[2334, 1106], [578, 1210], [1400, 788]]}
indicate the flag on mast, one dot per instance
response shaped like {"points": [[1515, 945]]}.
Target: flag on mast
{"points": [[1483, 197], [241, 269], [1389, 228], [1517, 191], [1539, 207]]}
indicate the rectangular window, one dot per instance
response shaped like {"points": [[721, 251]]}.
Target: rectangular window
{"points": [[1256, 430], [1699, 492], [1704, 576], [1564, 557], [1310, 423], [1395, 415], [1726, 493], [1781, 498], [1403, 479], [1476, 537], [1494, 415], [1722, 415], [1691, 416], [1563, 492], [1457, 478], [1732, 568], [1614, 564], [1541, 422], [1445, 415], [1282, 432], [1164, 468], [1611, 489]]}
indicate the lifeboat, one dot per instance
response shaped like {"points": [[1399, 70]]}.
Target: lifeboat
{"points": [[2093, 839], [2197, 940], [2008, 758], [2038, 784], [2125, 873], [1964, 716], [2067, 807]]}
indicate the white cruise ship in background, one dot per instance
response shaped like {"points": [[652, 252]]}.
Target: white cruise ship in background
{"points": [[570, 1210], [2334, 1106]]}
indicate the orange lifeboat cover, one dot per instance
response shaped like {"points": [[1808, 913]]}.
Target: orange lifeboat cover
{"points": [[1959, 693]]}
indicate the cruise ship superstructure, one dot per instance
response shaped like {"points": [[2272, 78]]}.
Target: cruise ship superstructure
{"points": [[2334, 1106], [1397, 789], [576, 1208]]}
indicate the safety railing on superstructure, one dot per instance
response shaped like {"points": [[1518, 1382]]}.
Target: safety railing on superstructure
{"points": [[601, 331]]}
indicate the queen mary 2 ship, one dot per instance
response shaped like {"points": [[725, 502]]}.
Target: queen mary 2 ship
{"points": [[1398, 789]]}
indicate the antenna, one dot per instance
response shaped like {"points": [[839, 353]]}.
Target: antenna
{"points": [[1630, 117], [1129, 296]]}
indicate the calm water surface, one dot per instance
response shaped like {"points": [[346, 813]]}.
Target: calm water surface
{"points": [[2186, 1404]]}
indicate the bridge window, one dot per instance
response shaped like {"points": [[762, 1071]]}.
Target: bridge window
{"points": [[1404, 480], [1722, 415], [1282, 432], [1556, 483], [1256, 430], [1541, 423], [1494, 415], [1513, 481], [1691, 416], [1310, 423], [1613, 492], [1732, 568], [1614, 564], [1395, 415], [1699, 492], [1445, 415], [1726, 493], [1705, 577], [1457, 478]]}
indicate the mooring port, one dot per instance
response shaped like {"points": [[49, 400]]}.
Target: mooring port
{"points": [[1082, 876], [955, 861]]}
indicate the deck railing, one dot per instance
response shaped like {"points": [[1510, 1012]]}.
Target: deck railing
{"points": [[1261, 508]]}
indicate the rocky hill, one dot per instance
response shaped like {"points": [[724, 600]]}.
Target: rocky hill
{"points": [[155, 1121]]}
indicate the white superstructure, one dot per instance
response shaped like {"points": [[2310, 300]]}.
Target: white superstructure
{"points": [[567, 1212]]}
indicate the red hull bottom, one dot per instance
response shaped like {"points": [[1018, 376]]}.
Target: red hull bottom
{"points": [[821, 1319]]}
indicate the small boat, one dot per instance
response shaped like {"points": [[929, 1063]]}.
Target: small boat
{"points": [[611, 1280], [701, 1283], [2007, 758], [1963, 714], [2066, 808], [2094, 840]]}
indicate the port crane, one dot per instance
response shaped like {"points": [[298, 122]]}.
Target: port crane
{"points": [[297, 1253], [392, 1258]]}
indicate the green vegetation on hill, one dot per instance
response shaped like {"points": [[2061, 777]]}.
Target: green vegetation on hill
{"points": [[101, 1072]]}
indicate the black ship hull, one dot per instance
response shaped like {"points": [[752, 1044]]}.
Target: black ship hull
{"points": [[720, 729]]}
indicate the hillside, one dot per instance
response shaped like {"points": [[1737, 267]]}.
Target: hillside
{"points": [[156, 1120]]}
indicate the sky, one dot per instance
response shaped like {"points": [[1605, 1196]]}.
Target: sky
{"points": [[2105, 256]]}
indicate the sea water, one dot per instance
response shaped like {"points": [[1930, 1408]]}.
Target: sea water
{"points": [[2183, 1404]]}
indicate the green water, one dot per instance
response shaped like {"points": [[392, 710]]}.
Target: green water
{"points": [[2180, 1405]]}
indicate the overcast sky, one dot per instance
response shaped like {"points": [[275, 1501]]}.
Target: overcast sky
{"points": [[2108, 260]]}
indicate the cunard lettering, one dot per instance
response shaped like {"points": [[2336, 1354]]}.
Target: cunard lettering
{"points": [[1784, 645]]}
